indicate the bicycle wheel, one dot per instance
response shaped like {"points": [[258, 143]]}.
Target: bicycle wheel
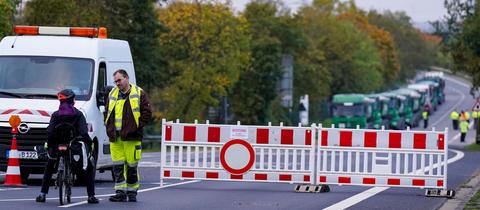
{"points": [[61, 179], [68, 181]]}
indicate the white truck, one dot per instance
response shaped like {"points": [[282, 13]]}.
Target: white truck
{"points": [[40, 61]]}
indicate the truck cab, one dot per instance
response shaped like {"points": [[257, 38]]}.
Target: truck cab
{"points": [[437, 94], [424, 91], [380, 111], [412, 106], [350, 110], [396, 106], [39, 62]]}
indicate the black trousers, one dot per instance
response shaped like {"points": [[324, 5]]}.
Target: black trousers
{"points": [[425, 123], [50, 169], [455, 124], [462, 137]]}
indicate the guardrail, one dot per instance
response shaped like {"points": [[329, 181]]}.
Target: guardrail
{"points": [[152, 141]]}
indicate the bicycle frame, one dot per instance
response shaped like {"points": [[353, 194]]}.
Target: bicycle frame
{"points": [[64, 174]]}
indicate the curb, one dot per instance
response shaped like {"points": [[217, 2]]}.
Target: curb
{"points": [[463, 194]]}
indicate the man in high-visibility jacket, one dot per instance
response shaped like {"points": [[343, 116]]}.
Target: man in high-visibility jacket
{"points": [[467, 116], [463, 130], [425, 116], [128, 111], [475, 115], [454, 116]]}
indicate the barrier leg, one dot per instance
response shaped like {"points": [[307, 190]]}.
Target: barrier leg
{"points": [[440, 193], [312, 188]]}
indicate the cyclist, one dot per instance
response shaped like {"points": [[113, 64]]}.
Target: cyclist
{"points": [[67, 113]]}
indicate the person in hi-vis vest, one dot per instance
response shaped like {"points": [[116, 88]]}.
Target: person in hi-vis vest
{"points": [[128, 111], [463, 129], [454, 116]]}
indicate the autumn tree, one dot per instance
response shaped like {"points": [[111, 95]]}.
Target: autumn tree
{"points": [[383, 41], [206, 49]]}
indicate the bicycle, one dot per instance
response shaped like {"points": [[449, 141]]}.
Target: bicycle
{"points": [[65, 177]]}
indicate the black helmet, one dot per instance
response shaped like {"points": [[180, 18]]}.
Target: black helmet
{"points": [[66, 95]]}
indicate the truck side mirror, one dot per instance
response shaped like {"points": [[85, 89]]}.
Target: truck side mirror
{"points": [[102, 95]]}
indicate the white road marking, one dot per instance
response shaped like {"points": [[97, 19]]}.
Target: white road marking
{"points": [[98, 196], [349, 202], [76, 204], [140, 191], [147, 164], [453, 107], [13, 189]]}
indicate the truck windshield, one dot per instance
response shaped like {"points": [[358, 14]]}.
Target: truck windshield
{"points": [[44, 77], [348, 111]]}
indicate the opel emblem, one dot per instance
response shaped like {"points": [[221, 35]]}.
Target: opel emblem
{"points": [[23, 128]]}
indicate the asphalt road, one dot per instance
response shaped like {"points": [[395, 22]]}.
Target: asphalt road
{"points": [[182, 194]]}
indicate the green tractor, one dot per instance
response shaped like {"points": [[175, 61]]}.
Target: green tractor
{"points": [[412, 108], [396, 106], [350, 110], [437, 93], [425, 97], [380, 111], [437, 77]]}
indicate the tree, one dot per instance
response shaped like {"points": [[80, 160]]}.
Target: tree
{"points": [[206, 49], [344, 49], [130, 20], [7, 9], [383, 41], [413, 52], [137, 22], [464, 22], [255, 92], [62, 13]]}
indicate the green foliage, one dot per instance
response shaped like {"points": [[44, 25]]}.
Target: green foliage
{"points": [[130, 20], [206, 48], [7, 9], [62, 13], [253, 95], [465, 44], [414, 52], [345, 49], [137, 22]]}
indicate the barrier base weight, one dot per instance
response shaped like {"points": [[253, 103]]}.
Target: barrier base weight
{"points": [[439, 193], [312, 188]]}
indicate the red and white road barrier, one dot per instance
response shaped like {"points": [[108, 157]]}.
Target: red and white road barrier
{"points": [[237, 153], [382, 158], [339, 156]]}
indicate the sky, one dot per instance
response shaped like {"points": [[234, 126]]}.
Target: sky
{"points": [[418, 10]]}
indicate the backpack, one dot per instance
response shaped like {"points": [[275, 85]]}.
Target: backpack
{"points": [[79, 156], [66, 133]]}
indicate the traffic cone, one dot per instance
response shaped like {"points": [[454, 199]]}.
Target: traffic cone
{"points": [[12, 177]]}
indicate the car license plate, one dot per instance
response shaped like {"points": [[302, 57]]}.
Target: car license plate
{"points": [[25, 154]]}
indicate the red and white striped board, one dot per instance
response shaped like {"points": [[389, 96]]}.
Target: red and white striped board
{"points": [[382, 158], [25, 111], [237, 152]]}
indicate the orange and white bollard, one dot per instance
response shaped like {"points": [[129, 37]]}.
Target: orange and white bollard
{"points": [[12, 177]]}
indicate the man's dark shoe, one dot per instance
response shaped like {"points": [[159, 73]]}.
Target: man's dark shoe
{"points": [[41, 198], [120, 196], [92, 199], [132, 196]]}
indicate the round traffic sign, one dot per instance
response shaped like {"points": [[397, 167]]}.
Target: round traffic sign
{"points": [[237, 156]]}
